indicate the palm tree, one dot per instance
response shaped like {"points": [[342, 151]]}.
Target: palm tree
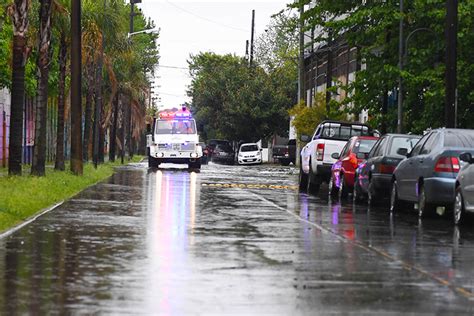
{"points": [[43, 62], [19, 14], [61, 26]]}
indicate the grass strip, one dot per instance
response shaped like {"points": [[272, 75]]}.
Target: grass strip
{"points": [[24, 196]]}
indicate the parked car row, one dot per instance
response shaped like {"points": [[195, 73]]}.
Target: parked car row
{"points": [[430, 173], [222, 152]]}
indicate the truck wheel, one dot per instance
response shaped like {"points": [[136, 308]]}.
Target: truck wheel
{"points": [[313, 182], [153, 162], [195, 165], [303, 180]]}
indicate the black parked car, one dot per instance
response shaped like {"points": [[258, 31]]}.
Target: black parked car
{"points": [[428, 176], [373, 178], [223, 153]]}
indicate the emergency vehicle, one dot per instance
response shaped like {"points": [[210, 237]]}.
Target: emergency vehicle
{"points": [[174, 139]]}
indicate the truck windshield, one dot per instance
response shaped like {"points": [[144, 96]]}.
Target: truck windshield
{"points": [[344, 132], [175, 127]]}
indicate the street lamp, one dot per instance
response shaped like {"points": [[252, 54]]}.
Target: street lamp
{"points": [[403, 56], [153, 30]]}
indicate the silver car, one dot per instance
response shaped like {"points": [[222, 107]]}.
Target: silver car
{"points": [[464, 201], [427, 176]]}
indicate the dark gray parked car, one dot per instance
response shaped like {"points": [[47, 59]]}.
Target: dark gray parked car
{"points": [[428, 175], [373, 177], [464, 200]]}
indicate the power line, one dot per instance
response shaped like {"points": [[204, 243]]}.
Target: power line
{"points": [[173, 67], [204, 18]]}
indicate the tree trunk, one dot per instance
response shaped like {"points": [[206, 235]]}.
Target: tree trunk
{"points": [[20, 28], [113, 132], [17, 104], [129, 129], [76, 101], [59, 164], [44, 34], [97, 112], [88, 113]]}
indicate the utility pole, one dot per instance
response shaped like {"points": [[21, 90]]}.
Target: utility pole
{"points": [[329, 73], [247, 49], [76, 95], [451, 62], [251, 38], [128, 118], [301, 56], [400, 79]]}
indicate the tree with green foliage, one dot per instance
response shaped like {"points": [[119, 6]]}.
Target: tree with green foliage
{"points": [[372, 27], [233, 101]]}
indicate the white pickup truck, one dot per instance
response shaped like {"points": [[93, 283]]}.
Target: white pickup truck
{"points": [[174, 139], [316, 158]]}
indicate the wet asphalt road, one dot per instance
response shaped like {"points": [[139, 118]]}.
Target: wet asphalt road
{"points": [[231, 240]]}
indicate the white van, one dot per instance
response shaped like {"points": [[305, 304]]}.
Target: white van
{"points": [[249, 153]]}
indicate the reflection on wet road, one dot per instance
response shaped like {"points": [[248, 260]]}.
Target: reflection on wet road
{"points": [[231, 239]]}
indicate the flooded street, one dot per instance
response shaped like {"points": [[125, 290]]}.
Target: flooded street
{"points": [[231, 240]]}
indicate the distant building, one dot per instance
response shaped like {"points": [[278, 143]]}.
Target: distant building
{"points": [[336, 61]]}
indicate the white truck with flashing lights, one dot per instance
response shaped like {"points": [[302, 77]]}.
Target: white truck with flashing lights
{"points": [[174, 139]]}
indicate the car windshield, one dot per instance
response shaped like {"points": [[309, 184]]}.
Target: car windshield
{"points": [[461, 138], [402, 142], [249, 148], [223, 147], [175, 127], [364, 145], [344, 132]]}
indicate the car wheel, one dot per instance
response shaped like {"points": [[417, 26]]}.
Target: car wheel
{"points": [[303, 180], [458, 211], [313, 182], [343, 188], [371, 197], [357, 195], [424, 208], [332, 190], [395, 203]]}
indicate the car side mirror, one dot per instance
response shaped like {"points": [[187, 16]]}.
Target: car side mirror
{"points": [[362, 155], [305, 138], [335, 156], [402, 152], [260, 149], [466, 157]]}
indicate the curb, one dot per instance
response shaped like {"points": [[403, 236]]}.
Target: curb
{"points": [[28, 221]]}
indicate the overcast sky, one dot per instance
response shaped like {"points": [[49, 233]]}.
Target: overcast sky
{"points": [[189, 27]]}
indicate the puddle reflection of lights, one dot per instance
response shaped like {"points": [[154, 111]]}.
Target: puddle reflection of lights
{"points": [[192, 205]]}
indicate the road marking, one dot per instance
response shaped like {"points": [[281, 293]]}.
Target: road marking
{"points": [[250, 186], [407, 266]]}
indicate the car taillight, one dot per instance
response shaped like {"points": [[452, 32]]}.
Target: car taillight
{"points": [[447, 164], [320, 152], [388, 169]]}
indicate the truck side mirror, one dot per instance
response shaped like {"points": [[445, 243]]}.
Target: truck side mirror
{"points": [[149, 140]]}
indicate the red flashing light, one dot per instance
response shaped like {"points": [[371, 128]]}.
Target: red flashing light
{"points": [[175, 115]]}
